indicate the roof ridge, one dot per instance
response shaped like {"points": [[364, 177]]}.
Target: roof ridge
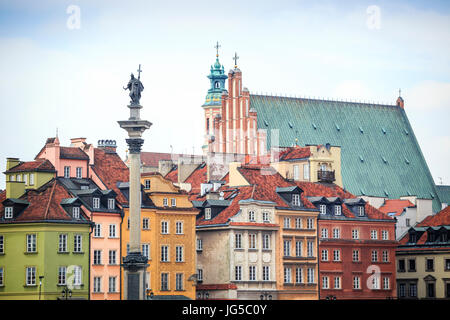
{"points": [[49, 200]]}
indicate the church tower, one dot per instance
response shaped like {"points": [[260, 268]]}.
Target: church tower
{"points": [[213, 103]]}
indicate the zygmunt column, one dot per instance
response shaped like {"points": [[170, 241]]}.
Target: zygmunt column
{"points": [[135, 263]]}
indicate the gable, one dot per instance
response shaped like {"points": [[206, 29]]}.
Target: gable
{"points": [[380, 154]]}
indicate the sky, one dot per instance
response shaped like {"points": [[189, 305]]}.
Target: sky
{"points": [[64, 63]]}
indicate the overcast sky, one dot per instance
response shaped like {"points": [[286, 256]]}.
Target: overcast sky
{"points": [[63, 65]]}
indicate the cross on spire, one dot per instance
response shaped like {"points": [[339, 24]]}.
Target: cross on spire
{"points": [[139, 72], [235, 58], [217, 46]]}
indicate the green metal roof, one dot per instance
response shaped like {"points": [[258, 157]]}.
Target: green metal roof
{"points": [[380, 155], [444, 193]]}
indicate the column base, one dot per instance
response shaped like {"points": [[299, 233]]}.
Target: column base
{"points": [[134, 265]]}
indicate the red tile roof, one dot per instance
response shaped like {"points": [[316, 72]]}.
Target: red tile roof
{"points": [[442, 218], [151, 159], [197, 177], [395, 206], [296, 152], [111, 169], [73, 153], [172, 175], [37, 165]]}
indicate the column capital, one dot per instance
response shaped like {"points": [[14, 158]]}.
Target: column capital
{"points": [[135, 144]]}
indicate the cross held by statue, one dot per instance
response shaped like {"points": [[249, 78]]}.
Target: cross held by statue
{"points": [[139, 72]]}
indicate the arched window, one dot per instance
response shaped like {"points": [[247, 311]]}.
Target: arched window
{"points": [[217, 85]]}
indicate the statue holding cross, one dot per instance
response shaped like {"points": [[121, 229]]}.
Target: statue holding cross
{"points": [[135, 86]]}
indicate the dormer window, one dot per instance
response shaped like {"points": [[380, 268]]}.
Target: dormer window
{"points": [[8, 212], [165, 202], [66, 172], [96, 203], [207, 213], [412, 238], [251, 215], [147, 184], [296, 200], [361, 211], [338, 210], [323, 209], [111, 203], [266, 217], [76, 212]]}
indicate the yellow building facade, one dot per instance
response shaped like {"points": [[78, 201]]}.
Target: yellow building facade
{"points": [[167, 239]]}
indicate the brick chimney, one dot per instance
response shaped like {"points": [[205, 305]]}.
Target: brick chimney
{"points": [[107, 145]]}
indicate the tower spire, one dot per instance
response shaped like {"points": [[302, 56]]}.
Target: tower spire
{"points": [[217, 46]]}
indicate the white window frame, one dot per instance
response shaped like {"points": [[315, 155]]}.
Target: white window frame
{"points": [[336, 255], [325, 282], [298, 275], [266, 273], [164, 227], [324, 233], [373, 234], [179, 282], [238, 273], [97, 285], [199, 244], [31, 243], [207, 213], [31, 179], [252, 273], [374, 255], [310, 248], [310, 275], [356, 283], [98, 230], [146, 250], [179, 254], [355, 255], [165, 253], [79, 172], [179, 227], [2, 244], [199, 274], [323, 208], [296, 200], [76, 212], [298, 248], [306, 171], [62, 275], [355, 234], [66, 171], [238, 241], [30, 276], [165, 281], [310, 223], [266, 241], [112, 257], [298, 223], [9, 212], [62, 244], [324, 254], [287, 248], [95, 203], [97, 257], [165, 202], [112, 288], [173, 202], [251, 215], [25, 178], [337, 209], [111, 203], [252, 240], [287, 223], [361, 211], [112, 231], [287, 275], [336, 233], [145, 223], [266, 216], [337, 283], [78, 243], [147, 184], [296, 172], [385, 235]]}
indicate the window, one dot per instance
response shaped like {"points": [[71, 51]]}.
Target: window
{"points": [[287, 248], [165, 202], [252, 241], [164, 227], [385, 256], [411, 265], [296, 172], [238, 241], [374, 255], [66, 172], [337, 282], [375, 282], [413, 290], [337, 255], [336, 233], [296, 200], [2, 277], [207, 213], [31, 243], [298, 223], [145, 224], [323, 209], [147, 184], [361, 211], [287, 275], [62, 247], [164, 253], [62, 274], [355, 234], [298, 248], [298, 275], [310, 248], [31, 179], [325, 282], [98, 230], [355, 255], [25, 179], [19, 177], [324, 233], [79, 172], [111, 203], [306, 171], [310, 275], [146, 250], [179, 281], [164, 281], [76, 212], [112, 284], [112, 257], [251, 216], [429, 264], [402, 290], [8, 212], [179, 257], [96, 203], [373, 234], [430, 289], [266, 273], [128, 223], [2, 244], [199, 274], [310, 223], [179, 227], [77, 241], [408, 222], [401, 265], [337, 210], [287, 223], [97, 284], [238, 273], [386, 283], [266, 216], [266, 241], [356, 283], [384, 235], [252, 273], [447, 262], [324, 255], [78, 275], [112, 231], [30, 276], [97, 257], [199, 244], [173, 202]]}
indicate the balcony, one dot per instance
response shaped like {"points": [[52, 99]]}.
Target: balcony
{"points": [[325, 176]]}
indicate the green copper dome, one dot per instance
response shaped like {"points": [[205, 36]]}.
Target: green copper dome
{"points": [[217, 78]]}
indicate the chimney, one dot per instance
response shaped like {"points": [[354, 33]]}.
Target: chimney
{"points": [[235, 177], [11, 162], [107, 145], [165, 166], [78, 142]]}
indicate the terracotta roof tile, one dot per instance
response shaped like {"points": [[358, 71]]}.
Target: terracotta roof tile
{"points": [[395, 206], [197, 177], [172, 175], [296, 152], [151, 159], [37, 165], [442, 218], [73, 153]]}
